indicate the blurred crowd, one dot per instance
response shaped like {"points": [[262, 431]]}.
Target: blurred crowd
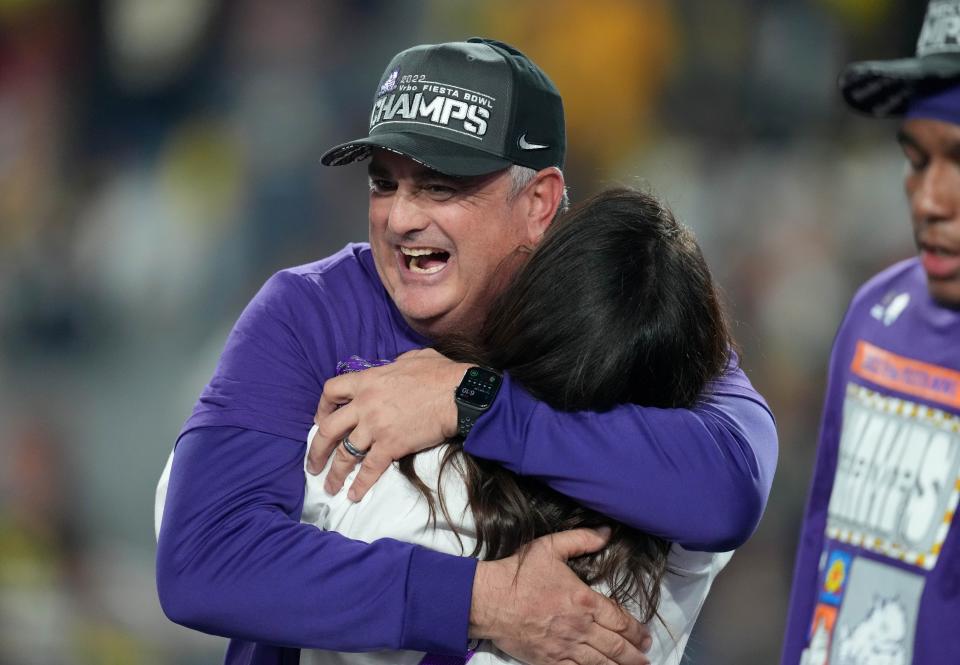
{"points": [[158, 160]]}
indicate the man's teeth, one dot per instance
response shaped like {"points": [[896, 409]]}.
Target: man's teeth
{"points": [[419, 251], [419, 258]]}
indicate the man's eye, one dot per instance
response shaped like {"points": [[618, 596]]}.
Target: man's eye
{"points": [[917, 163], [381, 186], [917, 160], [439, 191]]}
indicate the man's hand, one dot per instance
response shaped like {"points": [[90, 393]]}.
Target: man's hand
{"points": [[542, 613], [388, 412]]}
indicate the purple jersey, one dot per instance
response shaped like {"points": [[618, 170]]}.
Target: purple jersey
{"points": [[234, 560], [877, 576]]}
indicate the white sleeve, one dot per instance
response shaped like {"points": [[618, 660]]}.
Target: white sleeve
{"points": [[161, 496], [316, 505]]}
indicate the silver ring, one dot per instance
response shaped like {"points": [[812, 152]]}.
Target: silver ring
{"points": [[352, 450]]}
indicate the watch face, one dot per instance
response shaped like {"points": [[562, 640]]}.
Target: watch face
{"points": [[479, 387]]}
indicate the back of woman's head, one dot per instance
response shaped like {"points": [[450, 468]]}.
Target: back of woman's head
{"points": [[615, 305]]}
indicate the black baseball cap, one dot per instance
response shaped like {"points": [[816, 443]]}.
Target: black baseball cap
{"points": [[463, 108], [884, 88]]}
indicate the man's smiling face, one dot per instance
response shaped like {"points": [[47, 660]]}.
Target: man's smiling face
{"points": [[444, 246]]}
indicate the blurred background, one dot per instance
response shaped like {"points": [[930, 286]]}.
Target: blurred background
{"points": [[159, 160]]}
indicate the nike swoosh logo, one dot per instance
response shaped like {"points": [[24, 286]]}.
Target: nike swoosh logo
{"points": [[529, 146]]}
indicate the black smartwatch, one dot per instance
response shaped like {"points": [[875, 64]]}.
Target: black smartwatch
{"points": [[474, 396]]}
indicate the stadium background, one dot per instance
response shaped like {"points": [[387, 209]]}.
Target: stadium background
{"points": [[158, 160]]}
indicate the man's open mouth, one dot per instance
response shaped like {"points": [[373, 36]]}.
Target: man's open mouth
{"points": [[939, 262], [936, 250], [424, 260]]}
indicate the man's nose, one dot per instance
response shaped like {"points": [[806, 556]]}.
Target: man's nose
{"points": [[937, 193], [406, 214]]}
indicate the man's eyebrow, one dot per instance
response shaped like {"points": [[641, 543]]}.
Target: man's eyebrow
{"points": [[905, 139], [952, 147], [466, 183], [377, 171], [425, 173]]}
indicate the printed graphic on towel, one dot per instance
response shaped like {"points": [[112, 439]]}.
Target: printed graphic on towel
{"points": [[898, 477], [915, 378], [835, 577], [834, 573], [877, 621], [824, 618]]}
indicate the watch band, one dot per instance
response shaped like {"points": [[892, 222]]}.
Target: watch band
{"points": [[474, 396], [466, 418]]}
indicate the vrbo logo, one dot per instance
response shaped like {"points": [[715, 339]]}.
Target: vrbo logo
{"points": [[440, 110]]}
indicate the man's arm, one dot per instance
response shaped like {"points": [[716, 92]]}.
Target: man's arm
{"points": [[697, 476], [234, 560]]}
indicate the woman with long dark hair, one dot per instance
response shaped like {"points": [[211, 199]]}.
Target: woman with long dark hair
{"points": [[616, 305]]}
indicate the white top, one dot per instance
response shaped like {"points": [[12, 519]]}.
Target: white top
{"points": [[393, 508]]}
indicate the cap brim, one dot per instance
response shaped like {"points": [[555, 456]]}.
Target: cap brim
{"points": [[442, 156], [884, 88]]}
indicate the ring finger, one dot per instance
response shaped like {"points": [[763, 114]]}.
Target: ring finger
{"points": [[344, 461]]}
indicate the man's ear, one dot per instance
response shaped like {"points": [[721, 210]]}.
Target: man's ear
{"points": [[543, 195]]}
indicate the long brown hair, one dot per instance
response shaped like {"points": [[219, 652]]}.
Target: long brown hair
{"points": [[616, 305]]}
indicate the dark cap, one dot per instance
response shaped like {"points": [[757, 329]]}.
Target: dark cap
{"points": [[463, 108], [884, 88]]}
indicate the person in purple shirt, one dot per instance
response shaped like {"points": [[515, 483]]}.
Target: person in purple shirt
{"points": [[467, 141], [877, 576]]}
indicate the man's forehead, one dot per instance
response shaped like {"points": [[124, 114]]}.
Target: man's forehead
{"points": [[386, 163]]}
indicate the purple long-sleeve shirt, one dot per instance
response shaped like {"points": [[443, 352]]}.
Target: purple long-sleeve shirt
{"points": [[234, 560], [877, 577]]}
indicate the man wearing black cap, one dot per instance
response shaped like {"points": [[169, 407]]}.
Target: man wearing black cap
{"points": [[877, 576], [466, 144]]}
